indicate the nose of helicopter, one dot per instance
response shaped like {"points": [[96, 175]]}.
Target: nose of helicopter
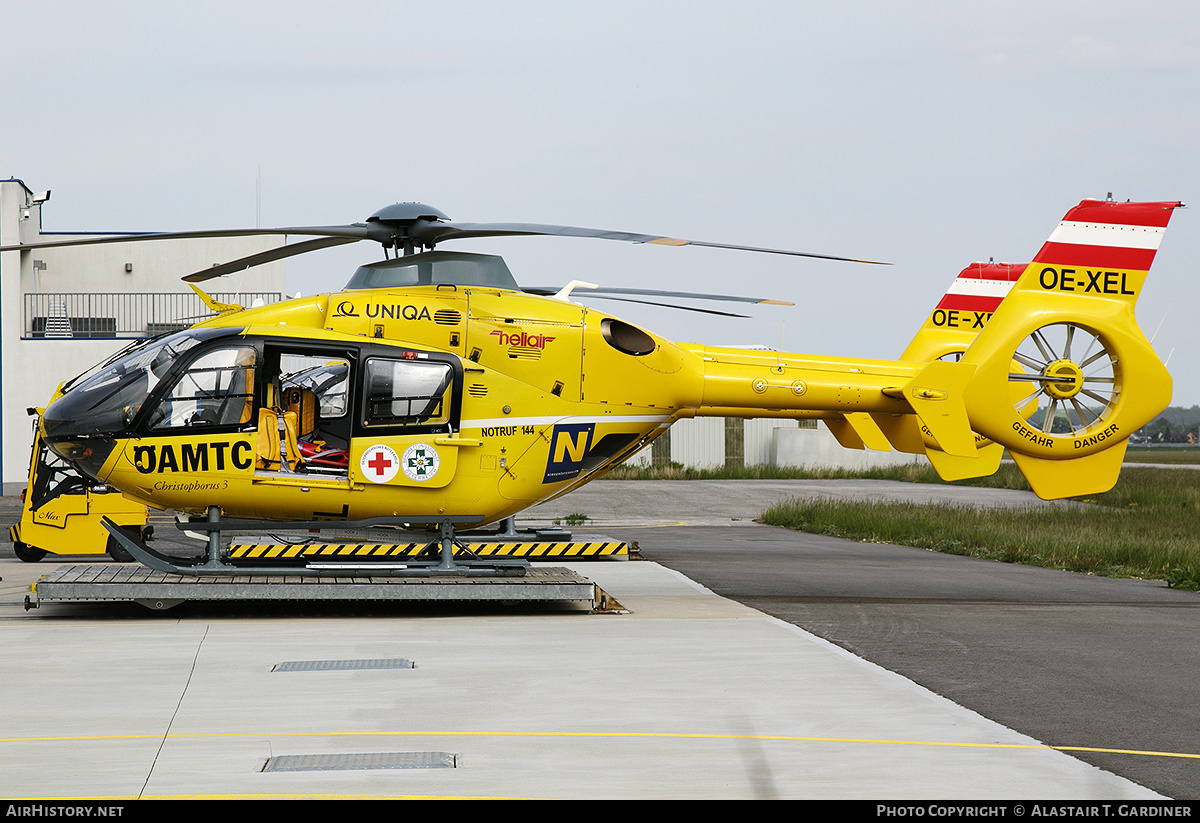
{"points": [[76, 439], [82, 426], [98, 408]]}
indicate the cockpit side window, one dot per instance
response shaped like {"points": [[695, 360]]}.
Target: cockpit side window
{"points": [[216, 389], [407, 393]]}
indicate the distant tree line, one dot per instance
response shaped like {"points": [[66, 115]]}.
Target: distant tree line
{"points": [[1175, 425]]}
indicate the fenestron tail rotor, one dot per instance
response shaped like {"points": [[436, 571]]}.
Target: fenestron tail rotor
{"points": [[1072, 377]]}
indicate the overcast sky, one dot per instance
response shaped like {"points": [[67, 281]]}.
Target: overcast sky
{"points": [[928, 134]]}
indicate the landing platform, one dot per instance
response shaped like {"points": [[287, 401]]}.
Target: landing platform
{"points": [[160, 590]]}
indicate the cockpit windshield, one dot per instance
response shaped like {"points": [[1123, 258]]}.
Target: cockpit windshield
{"points": [[107, 400], [436, 268]]}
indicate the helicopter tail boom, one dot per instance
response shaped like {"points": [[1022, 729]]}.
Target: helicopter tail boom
{"points": [[1059, 373]]}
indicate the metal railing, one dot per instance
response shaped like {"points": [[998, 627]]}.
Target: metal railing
{"points": [[121, 314]]}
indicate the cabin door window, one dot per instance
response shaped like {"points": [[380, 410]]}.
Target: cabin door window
{"points": [[408, 393], [305, 418]]}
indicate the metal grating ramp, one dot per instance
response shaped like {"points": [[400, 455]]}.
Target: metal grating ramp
{"points": [[160, 590], [360, 762]]}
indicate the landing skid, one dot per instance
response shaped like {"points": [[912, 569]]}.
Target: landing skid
{"points": [[435, 560]]}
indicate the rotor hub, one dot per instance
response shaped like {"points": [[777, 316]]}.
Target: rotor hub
{"points": [[1070, 384], [405, 214]]}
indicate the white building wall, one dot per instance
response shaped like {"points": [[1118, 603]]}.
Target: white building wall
{"points": [[33, 368], [14, 428], [818, 448], [699, 442], [156, 265], [760, 435], [639, 460]]}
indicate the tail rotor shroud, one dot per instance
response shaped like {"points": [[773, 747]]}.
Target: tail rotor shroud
{"points": [[1073, 377]]}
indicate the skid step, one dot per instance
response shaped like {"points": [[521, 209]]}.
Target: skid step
{"points": [[160, 590]]}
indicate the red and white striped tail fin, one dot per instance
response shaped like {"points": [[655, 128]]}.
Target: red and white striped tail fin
{"points": [[980, 287], [1100, 248], [1108, 234], [964, 310]]}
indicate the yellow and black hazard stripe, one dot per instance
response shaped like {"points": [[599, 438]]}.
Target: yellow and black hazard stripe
{"points": [[611, 548], [300, 551]]}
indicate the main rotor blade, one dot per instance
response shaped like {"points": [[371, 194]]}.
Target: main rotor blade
{"points": [[430, 233], [355, 231], [396, 229], [583, 292], [270, 256], [600, 294], [664, 305], [693, 295]]}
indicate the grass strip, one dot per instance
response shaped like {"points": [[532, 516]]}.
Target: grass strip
{"points": [[1189, 455], [909, 472], [1146, 527], [1008, 477]]}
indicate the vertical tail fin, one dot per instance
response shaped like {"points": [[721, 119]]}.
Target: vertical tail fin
{"points": [[1066, 335], [963, 311]]}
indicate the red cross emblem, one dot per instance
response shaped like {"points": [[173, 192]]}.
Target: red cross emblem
{"points": [[379, 463]]}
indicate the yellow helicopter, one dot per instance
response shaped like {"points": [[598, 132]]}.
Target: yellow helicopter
{"points": [[433, 390]]}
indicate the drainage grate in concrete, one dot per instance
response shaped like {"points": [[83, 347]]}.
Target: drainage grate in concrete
{"points": [[343, 665], [361, 762]]}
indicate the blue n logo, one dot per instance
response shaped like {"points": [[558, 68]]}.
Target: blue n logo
{"points": [[569, 444]]}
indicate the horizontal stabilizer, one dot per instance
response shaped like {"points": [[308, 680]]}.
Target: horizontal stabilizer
{"points": [[936, 395]]}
